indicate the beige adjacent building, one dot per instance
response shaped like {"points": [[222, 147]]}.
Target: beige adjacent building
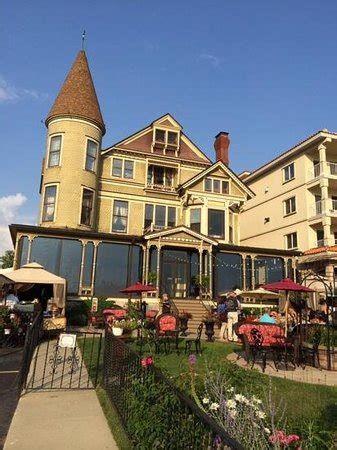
{"points": [[152, 207], [295, 206]]}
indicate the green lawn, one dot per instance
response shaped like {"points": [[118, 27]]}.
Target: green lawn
{"points": [[304, 402]]}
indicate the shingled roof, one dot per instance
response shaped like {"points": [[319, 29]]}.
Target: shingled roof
{"points": [[77, 97]]}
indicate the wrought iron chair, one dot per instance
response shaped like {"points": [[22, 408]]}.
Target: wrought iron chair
{"points": [[196, 341], [167, 329], [311, 353], [258, 349]]}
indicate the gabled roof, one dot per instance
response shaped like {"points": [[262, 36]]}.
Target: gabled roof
{"points": [[141, 142], [283, 157], [77, 96], [180, 228], [226, 169]]}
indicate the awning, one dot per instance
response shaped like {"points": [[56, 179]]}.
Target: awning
{"points": [[34, 273]]}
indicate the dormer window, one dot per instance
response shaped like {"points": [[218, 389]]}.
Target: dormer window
{"points": [[166, 139]]}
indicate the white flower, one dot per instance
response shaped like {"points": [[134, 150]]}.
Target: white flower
{"points": [[205, 401], [232, 412], [214, 406], [257, 400], [261, 414], [239, 398], [267, 430], [231, 404], [230, 389]]}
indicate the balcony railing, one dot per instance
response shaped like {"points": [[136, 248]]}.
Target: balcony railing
{"points": [[160, 187], [316, 171], [334, 205], [317, 208]]}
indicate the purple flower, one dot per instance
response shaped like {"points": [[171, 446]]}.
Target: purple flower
{"points": [[217, 440], [192, 359]]}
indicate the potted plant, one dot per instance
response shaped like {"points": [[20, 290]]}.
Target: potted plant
{"points": [[209, 321], [200, 284], [120, 326], [152, 278], [184, 317]]}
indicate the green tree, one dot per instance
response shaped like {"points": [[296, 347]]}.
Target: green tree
{"points": [[7, 259]]}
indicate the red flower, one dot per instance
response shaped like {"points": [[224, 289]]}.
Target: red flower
{"points": [[147, 361]]}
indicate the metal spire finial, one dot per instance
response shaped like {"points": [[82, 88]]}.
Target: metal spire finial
{"points": [[83, 39]]}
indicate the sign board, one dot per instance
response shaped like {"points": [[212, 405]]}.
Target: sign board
{"points": [[94, 305], [67, 340]]}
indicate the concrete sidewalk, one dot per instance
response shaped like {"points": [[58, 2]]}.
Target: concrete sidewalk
{"points": [[57, 420]]}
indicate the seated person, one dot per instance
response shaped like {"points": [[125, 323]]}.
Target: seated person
{"points": [[266, 317], [10, 299]]}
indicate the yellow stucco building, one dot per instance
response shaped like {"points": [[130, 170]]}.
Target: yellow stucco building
{"points": [[152, 207], [295, 206]]}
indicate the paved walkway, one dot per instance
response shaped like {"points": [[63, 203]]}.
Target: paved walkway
{"points": [[310, 374], [10, 361], [54, 420]]}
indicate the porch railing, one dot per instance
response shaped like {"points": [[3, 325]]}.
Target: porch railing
{"points": [[31, 341], [154, 412]]}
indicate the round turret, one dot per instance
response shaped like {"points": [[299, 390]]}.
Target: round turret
{"points": [[71, 166]]}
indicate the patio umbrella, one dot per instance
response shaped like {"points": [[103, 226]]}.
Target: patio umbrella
{"points": [[138, 288], [287, 285], [260, 294]]}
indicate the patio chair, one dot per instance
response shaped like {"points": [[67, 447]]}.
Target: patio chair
{"points": [[196, 341], [167, 329], [258, 349], [311, 354]]}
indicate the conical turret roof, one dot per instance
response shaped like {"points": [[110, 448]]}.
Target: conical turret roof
{"points": [[77, 97]]}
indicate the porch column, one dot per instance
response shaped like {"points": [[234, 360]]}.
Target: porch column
{"points": [[96, 244], [31, 239], [253, 271], [145, 262], [84, 243], [244, 287], [325, 201], [200, 263], [210, 268], [158, 267]]}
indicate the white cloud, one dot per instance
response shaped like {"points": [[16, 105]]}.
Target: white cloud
{"points": [[214, 60], [10, 93], [10, 213]]}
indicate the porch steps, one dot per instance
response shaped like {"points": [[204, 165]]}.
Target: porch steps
{"points": [[195, 308]]}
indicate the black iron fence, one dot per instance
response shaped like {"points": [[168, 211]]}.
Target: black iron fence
{"points": [[32, 337], [154, 412]]}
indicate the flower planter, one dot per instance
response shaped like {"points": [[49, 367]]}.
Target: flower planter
{"points": [[209, 330], [116, 331], [183, 325]]}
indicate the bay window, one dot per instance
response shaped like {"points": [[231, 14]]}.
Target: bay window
{"points": [[195, 220], [159, 177], [216, 223]]}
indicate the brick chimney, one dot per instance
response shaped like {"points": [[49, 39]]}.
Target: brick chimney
{"points": [[221, 145]]}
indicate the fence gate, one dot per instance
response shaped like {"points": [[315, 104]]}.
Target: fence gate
{"points": [[69, 360]]}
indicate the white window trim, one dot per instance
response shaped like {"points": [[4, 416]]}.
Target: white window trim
{"points": [[93, 207], [88, 138], [122, 177], [112, 215], [285, 214], [286, 240], [224, 238], [218, 179], [56, 202], [283, 173], [48, 150], [154, 213], [190, 210]]}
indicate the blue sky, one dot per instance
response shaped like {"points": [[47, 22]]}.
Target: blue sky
{"points": [[264, 71]]}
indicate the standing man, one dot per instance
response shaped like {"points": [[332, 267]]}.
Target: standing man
{"points": [[233, 308]]}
